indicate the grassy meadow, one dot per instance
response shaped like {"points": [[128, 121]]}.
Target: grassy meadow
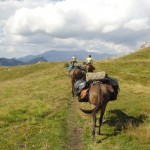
{"points": [[38, 112]]}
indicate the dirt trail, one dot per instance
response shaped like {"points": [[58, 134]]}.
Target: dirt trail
{"points": [[75, 132]]}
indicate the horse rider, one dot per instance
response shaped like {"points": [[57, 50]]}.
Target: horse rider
{"points": [[72, 63], [73, 60], [89, 60]]}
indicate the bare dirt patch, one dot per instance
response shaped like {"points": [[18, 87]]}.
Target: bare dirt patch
{"points": [[75, 131]]}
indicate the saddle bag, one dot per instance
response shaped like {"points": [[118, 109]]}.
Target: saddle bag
{"points": [[95, 76], [79, 86], [112, 83]]}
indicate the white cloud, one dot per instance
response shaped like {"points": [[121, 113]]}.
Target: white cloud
{"points": [[138, 24], [69, 16], [109, 28], [101, 25]]}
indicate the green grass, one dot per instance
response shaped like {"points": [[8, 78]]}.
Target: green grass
{"points": [[32, 115], [35, 110], [128, 118]]}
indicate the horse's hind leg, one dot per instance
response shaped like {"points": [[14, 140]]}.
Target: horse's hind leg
{"points": [[72, 82], [94, 125], [72, 91], [101, 118]]}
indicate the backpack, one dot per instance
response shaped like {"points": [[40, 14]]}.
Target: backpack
{"points": [[71, 66]]}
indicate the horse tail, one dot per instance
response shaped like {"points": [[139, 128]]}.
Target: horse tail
{"points": [[91, 111], [98, 105]]}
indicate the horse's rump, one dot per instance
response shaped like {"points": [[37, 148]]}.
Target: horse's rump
{"points": [[98, 96], [112, 84], [75, 75], [89, 67]]}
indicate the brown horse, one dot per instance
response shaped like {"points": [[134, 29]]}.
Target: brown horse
{"points": [[89, 68], [76, 74], [99, 96]]}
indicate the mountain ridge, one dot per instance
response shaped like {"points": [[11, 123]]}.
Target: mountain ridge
{"points": [[52, 56], [55, 55], [14, 62]]}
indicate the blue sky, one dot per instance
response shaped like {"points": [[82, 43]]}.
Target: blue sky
{"points": [[104, 26]]}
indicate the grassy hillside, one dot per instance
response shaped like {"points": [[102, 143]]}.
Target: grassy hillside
{"points": [[34, 100], [128, 118], [37, 110]]}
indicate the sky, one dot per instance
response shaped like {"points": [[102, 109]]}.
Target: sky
{"points": [[104, 26]]}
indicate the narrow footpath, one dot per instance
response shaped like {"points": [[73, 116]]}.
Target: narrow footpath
{"points": [[74, 131]]}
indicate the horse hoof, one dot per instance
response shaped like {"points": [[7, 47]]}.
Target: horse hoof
{"points": [[93, 138], [99, 141]]}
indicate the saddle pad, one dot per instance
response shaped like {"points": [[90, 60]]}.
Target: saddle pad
{"points": [[83, 93], [95, 76]]}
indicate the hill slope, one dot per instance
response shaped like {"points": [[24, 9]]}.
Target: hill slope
{"points": [[37, 110], [143, 54]]}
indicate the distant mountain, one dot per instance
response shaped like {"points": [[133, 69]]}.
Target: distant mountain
{"points": [[14, 62], [10, 62], [54, 55], [36, 60]]}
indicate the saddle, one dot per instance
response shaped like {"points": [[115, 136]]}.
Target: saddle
{"points": [[82, 87]]}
